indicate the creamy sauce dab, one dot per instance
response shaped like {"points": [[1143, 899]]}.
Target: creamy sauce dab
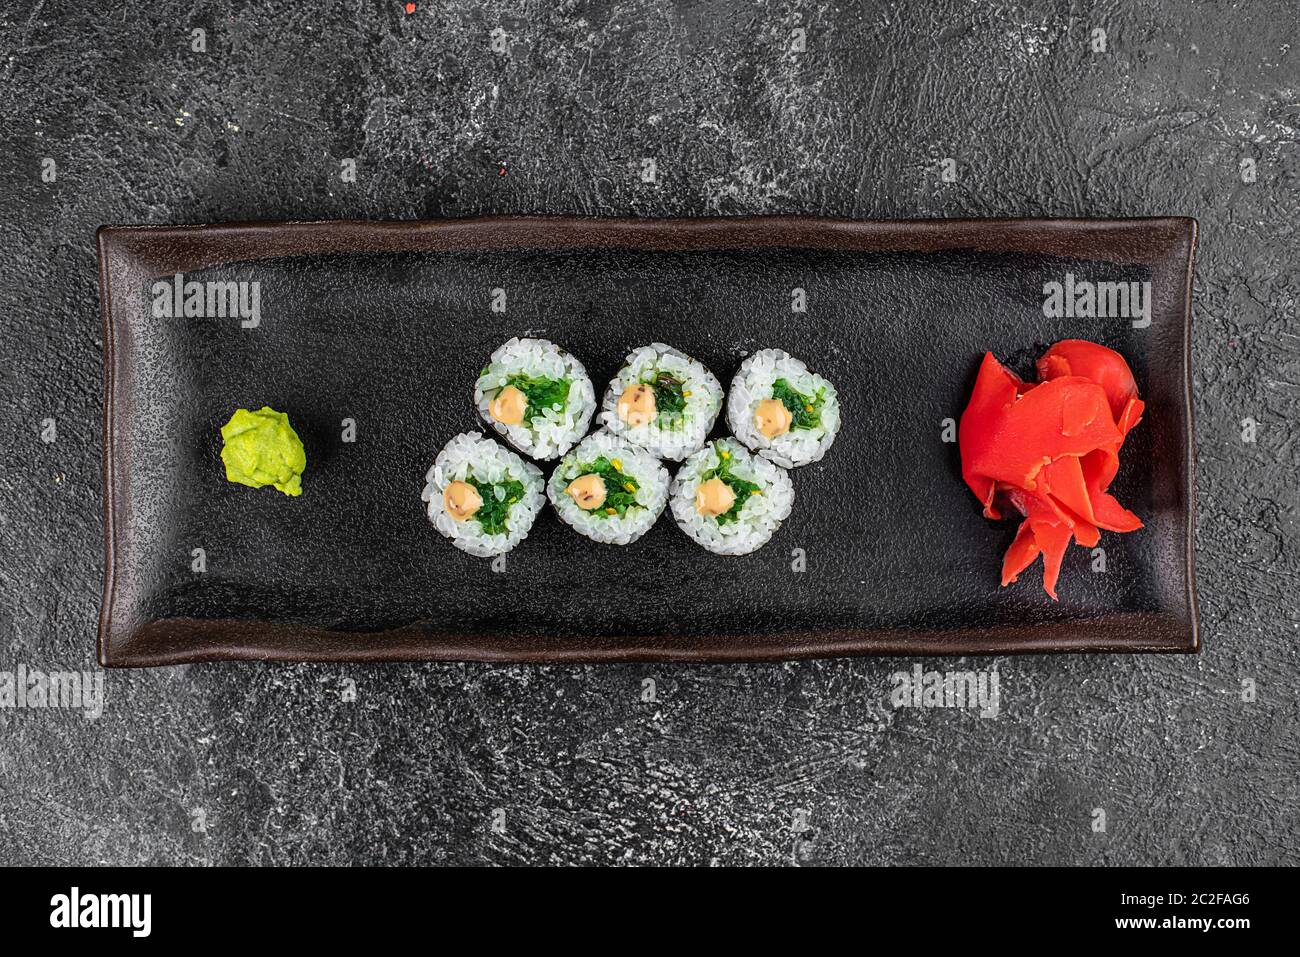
{"points": [[772, 418], [636, 406], [461, 501], [508, 406], [714, 498], [588, 491]]}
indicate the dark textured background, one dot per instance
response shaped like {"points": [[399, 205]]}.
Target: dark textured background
{"points": [[756, 764]]}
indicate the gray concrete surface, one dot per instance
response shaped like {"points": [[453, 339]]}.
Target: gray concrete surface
{"points": [[804, 763]]}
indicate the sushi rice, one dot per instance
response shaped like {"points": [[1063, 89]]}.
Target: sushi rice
{"points": [[470, 457], [759, 514], [551, 430], [623, 466], [811, 400], [673, 433]]}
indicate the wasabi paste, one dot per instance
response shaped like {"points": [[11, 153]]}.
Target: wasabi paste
{"points": [[261, 448]]}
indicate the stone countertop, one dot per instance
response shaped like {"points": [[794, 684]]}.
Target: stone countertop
{"points": [[122, 113]]}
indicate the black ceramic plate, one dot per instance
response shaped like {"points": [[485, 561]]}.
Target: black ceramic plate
{"points": [[386, 324]]}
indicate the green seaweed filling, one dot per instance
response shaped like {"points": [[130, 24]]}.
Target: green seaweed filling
{"points": [[806, 410], [670, 400], [542, 393], [494, 513], [742, 488], [617, 495]]}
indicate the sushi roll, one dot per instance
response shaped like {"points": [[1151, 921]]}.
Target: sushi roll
{"points": [[663, 401], [536, 395], [608, 489], [482, 496], [728, 500], [781, 410]]}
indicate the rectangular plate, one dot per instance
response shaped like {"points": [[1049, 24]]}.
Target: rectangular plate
{"points": [[387, 324]]}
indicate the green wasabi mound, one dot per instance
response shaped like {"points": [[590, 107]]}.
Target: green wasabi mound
{"points": [[261, 448]]}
